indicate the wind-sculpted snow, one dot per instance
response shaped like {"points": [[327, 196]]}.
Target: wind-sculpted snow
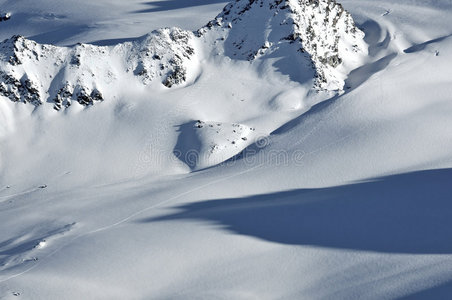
{"points": [[322, 29], [35, 73]]}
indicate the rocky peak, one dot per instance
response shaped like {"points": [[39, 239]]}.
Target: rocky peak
{"points": [[315, 38], [320, 28], [36, 73], [162, 53]]}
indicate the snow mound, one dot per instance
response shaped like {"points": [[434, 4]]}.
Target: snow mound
{"points": [[321, 33], [35, 73], [205, 144]]}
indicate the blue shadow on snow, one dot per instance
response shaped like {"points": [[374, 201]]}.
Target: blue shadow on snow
{"points": [[157, 6], [407, 213]]}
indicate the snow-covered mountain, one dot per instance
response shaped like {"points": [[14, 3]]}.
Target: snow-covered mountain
{"points": [[37, 73], [317, 33], [285, 150]]}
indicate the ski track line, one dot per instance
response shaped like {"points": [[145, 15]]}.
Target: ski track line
{"points": [[122, 221], [18, 194]]}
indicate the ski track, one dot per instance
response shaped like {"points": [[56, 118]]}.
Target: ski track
{"points": [[7, 197], [319, 124], [156, 205]]}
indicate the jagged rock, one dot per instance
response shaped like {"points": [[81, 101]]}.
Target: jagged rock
{"points": [[321, 28], [84, 96], [5, 17], [317, 33], [30, 92], [18, 90], [96, 95], [75, 60], [177, 76], [63, 96], [161, 55]]}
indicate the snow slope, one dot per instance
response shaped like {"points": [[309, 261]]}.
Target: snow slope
{"points": [[104, 22], [340, 199]]}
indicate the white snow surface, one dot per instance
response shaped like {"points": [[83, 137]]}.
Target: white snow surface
{"points": [[294, 193]]}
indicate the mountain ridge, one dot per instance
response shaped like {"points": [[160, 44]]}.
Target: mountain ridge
{"points": [[320, 35], [321, 28]]}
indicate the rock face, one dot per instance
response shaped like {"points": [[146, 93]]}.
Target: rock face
{"points": [[315, 38], [35, 73], [162, 54], [4, 16], [322, 29]]}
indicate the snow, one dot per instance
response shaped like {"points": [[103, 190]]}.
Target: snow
{"points": [[205, 144], [332, 195]]}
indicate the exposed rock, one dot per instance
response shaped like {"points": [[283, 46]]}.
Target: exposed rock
{"points": [[63, 96], [163, 54], [5, 17], [35, 73], [320, 28], [316, 34], [177, 76], [18, 90]]}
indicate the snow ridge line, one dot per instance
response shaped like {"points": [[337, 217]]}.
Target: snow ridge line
{"points": [[18, 194]]}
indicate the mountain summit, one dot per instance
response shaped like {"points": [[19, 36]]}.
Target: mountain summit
{"points": [[321, 31], [302, 39]]}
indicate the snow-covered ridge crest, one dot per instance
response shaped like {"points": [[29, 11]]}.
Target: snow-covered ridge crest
{"points": [[321, 28], [35, 73], [317, 38]]}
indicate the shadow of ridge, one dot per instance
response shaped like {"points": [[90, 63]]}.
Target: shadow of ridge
{"points": [[118, 41], [360, 75], [442, 291], [373, 33], [407, 213], [58, 35], [114, 42], [422, 46], [158, 6], [316, 110], [356, 78], [188, 145]]}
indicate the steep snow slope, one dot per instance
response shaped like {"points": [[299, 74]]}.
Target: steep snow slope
{"points": [[99, 203]]}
